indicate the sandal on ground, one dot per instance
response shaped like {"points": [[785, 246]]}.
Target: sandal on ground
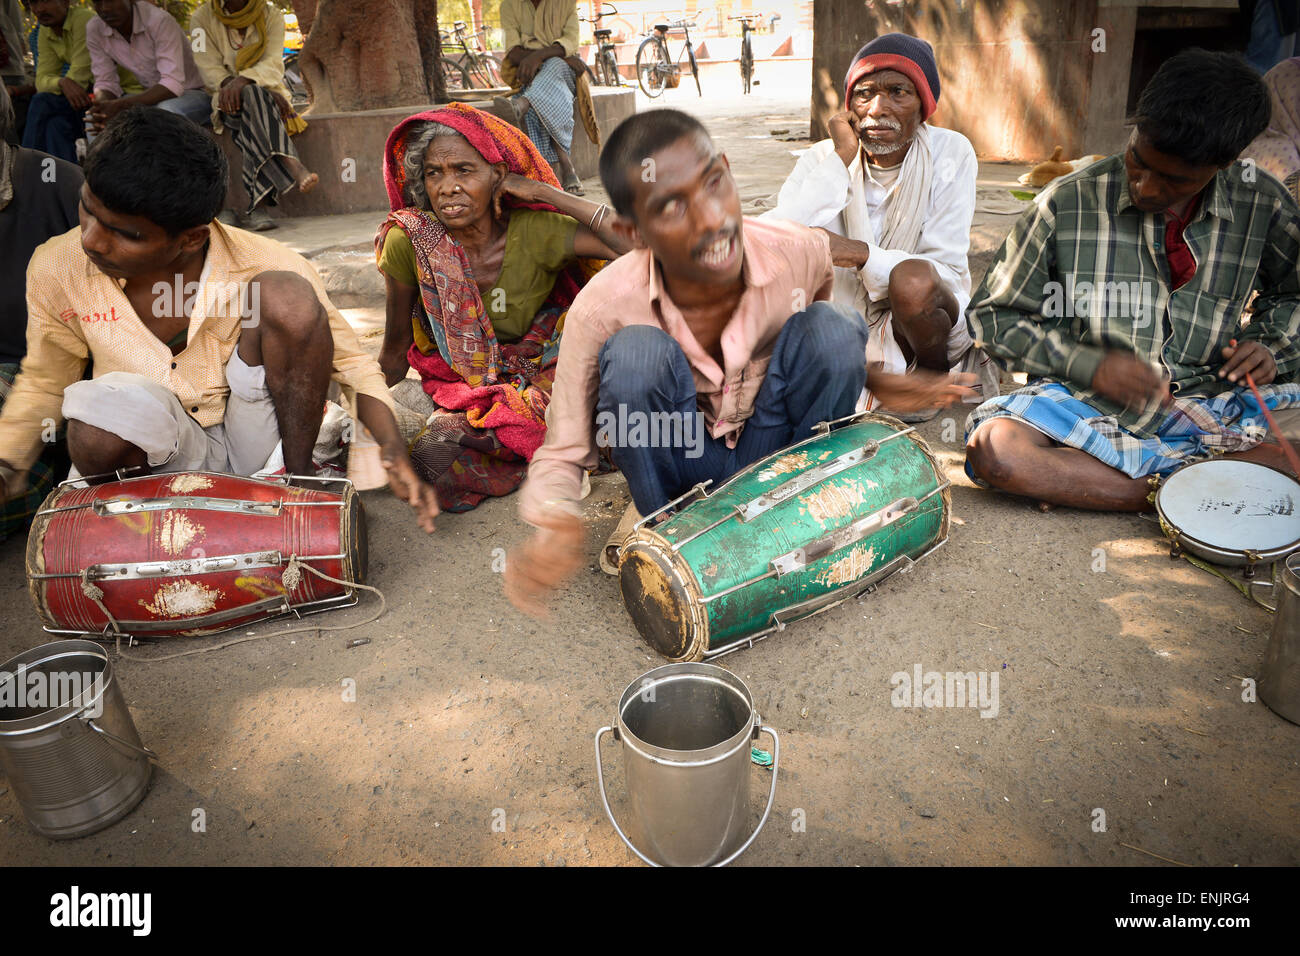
{"points": [[259, 220]]}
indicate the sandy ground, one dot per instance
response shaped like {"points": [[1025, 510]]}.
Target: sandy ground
{"points": [[469, 740]]}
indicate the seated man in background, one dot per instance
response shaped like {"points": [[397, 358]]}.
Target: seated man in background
{"points": [[56, 117], [16, 77], [144, 39], [38, 199], [210, 346], [720, 321], [896, 197], [541, 39], [1123, 289], [241, 60]]}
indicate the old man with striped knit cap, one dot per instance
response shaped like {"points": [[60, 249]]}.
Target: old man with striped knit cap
{"points": [[896, 197]]}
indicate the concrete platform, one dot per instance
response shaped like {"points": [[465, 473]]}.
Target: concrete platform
{"points": [[347, 151]]}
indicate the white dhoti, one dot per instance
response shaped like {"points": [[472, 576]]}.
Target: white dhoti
{"points": [[246, 441]]}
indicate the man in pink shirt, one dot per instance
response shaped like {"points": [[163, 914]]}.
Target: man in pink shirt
{"points": [[709, 346], [144, 39]]}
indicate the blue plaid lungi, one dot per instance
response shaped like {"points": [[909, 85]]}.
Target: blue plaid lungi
{"points": [[551, 94], [1231, 421]]}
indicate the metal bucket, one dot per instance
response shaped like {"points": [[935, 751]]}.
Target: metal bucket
{"points": [[1279, 682], [687, 731], [76, 764]]}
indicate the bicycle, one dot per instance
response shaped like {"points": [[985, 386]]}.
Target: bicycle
{"points": [[746, 49], [655, 69], [475, 68], [293, 82], [604, 66]]}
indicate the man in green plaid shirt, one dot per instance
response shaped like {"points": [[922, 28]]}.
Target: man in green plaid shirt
{"points": [[1122, 291]]}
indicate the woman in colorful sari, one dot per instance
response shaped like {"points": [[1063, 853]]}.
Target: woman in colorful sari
{"points": [[482, 255]]}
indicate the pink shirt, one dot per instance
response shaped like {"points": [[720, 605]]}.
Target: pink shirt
{"points": [[157, 52], [786, 266]]}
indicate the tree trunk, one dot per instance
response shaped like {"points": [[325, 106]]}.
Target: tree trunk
{"points": [[476, 14], [305, 11], [373, 55]]}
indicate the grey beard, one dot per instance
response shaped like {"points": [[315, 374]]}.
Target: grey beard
{"points": [[885, 149]]}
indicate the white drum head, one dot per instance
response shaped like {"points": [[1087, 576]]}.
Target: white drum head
{"points": [[1233, 505]]}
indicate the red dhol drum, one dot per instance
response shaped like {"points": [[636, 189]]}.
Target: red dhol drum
{"points": [[190, 553]]}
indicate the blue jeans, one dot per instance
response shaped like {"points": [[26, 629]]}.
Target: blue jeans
{"points": [[1267, 46], [194, 105], [817, 371], [54, 126]]}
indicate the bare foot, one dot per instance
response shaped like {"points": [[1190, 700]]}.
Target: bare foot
{"points": [[303, 177], [565, 172]]}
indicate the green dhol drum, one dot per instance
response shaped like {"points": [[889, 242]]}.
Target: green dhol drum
{"points": [[794, 534]]}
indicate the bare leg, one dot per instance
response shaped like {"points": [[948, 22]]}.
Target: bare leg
{"points": [[1020, 460], [566, 173], [96, 452], [290, 335], [924, 313], [303, 177], [1268, 453]]}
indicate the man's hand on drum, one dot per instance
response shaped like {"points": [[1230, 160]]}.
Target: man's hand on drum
{"points": [[919, 390], [545, 561]]}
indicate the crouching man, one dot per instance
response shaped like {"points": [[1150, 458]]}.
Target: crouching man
{"points": [[209, 345], [712, 316]]}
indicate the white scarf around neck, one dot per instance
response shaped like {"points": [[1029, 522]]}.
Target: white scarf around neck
{"points": [[905, 210]]}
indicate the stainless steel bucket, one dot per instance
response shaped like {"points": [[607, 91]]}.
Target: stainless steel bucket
{"points": [[73, 758], [687, 730], [1279, 682]]}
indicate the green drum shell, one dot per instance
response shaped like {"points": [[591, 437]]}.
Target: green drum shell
{"points": [[666, 571]]}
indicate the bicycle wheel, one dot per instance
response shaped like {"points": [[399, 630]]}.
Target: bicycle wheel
{"points": [[746, 64], [485, 71], [652, 67], [453, 75], [695, 71], [479, 77], [609, 66]]}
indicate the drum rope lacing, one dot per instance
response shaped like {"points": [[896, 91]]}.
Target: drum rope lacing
{"points": [[1242, 586], [292, 575], [96, 594]]}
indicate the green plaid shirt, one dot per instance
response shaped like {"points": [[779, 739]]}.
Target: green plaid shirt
{"points": [[1084, 270]]}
